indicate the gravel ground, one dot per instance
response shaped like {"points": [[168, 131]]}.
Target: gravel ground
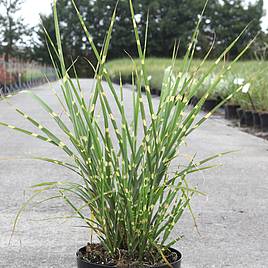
{"points": [[232, 218]]}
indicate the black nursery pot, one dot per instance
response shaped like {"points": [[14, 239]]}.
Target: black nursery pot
{"points": [[193, 101], [83, 264], [210, 104], [158, 92], [153, 91], [231, 111], [264, 121], [116, 80], [256, 120], [249, 118], [127, 80], [241, 116]]}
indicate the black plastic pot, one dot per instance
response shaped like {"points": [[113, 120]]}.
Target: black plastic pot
{"points": [[249, 118], [256, 120], [193, 101], [241, 116], [83, 264], [158, 92], [231, 111], [153, 91], [264, 121], [210, 104]]}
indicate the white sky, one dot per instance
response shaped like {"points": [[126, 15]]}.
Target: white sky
{"points": [[32, 8], [265, 18]]}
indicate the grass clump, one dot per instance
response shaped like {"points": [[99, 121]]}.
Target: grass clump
{"points": [[125, 192]]}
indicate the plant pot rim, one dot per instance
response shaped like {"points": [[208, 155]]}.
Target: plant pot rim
{"points": [[263, 112], [232, 104], [211, 99], [179, 254]]}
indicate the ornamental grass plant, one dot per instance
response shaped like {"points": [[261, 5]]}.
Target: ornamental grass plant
{"points": [[126, 193], [256, 98]]}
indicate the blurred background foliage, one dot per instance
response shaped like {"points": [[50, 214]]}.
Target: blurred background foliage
{"points": [[170, 21]]}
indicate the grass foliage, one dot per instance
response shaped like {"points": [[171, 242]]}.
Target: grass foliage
{"points": [[126, 193]]}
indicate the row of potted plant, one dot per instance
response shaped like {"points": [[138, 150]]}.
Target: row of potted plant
{"points": [[254, 102], [241, 106], [13, 81], [12, 88], [250, 106], [253, 118]]}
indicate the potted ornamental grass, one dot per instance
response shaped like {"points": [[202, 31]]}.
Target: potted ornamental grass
{"points": [[125, 192], [245, 103], [227, 86], [248, 104], [258, 99]]}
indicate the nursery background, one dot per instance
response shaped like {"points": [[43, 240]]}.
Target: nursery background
{"points": [[169, 22], [24, 47]]}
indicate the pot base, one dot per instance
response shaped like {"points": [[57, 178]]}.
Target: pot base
{"points": [[231, 111], [81, 263], [256, 120], [249, 118], [264, 122], [241, 115]]}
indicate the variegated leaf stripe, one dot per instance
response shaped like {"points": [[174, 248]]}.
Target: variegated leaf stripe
{"points": [[50, 135], [28, 133]]}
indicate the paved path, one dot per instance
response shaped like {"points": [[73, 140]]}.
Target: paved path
{"points": [[232, 219]]}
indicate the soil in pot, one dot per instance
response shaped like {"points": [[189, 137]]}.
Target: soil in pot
{"points": [[256, 120], [95, 256], [249, 118], [264, 121], [231, 111], [241, 117]]}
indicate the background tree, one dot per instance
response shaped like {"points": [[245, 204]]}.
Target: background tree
{"points": [[259, 50], [40, 51], [13, 31], [97, 16], [230, 17], [169, 21], [74, 42]]}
